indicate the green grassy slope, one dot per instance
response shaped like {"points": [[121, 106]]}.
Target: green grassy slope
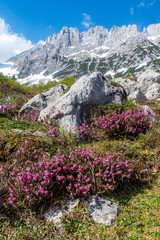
{"points": [[27, 140]]}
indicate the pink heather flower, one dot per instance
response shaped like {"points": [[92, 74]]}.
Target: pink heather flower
{"points": [[10, 190], [20, 179], [88, 179], [126, 163], [46, 193], [40, 164], [25, 189], [28, 197], [97, 174], [60, 178], [34, 178]]}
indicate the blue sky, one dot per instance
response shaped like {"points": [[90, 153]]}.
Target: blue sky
{"points": [[34, 20]]}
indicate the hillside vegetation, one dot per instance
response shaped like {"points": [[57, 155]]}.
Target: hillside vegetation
{"points": [[117, 156]]}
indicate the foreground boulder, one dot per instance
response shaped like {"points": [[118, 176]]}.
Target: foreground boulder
{"points": [[73, 106]]}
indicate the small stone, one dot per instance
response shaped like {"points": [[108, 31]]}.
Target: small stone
{"points": [[137, 224], [147, 110], [102, 210], [54, 214]]}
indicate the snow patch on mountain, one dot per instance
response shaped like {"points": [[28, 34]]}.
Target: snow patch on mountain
{"points": [[120, 51]]}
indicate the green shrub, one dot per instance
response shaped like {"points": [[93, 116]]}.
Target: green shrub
{"points": [[116, 84], [35, 89], [69, 81]]}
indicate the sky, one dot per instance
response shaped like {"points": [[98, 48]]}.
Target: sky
{"points": [[25, 23]]}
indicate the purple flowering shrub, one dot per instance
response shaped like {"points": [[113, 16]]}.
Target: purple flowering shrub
{"points": [[56, 167], [7, 111], [81, 172], [117, 124]]}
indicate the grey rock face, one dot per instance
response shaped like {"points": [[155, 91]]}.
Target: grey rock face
{"points": [[153, 91], [137, 95], [54, 214], [102, 210], [147, 85], [118, 51], [41, 101], [148, 112], [94, 89]]}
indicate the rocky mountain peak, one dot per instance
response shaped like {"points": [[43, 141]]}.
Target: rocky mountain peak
{"points": [[116, 52], [153, 30]]}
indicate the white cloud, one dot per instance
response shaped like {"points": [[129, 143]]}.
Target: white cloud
{"points": [[145, 4], [132, 11], [151, 3], [87, 20], [142, 4], [11, 43]]}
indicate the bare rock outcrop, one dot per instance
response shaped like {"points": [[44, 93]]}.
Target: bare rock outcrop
{"points": [[146, 86], [88, 90]]}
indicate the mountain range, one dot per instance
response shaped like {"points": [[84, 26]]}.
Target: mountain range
{"points": [[122, 51]]}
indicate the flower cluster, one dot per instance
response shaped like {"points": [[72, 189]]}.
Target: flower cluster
{"points": [[157, 110], [52, 131], [115, 124], [76, 174], [30, 116], [5, 110]]}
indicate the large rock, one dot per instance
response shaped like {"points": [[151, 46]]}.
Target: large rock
{"points": [[41, 101], [137, 95], [147, 85], [153, 91], [73, 105]]}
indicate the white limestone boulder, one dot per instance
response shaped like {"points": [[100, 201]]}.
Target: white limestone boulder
{"points": [[94, 89]]}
